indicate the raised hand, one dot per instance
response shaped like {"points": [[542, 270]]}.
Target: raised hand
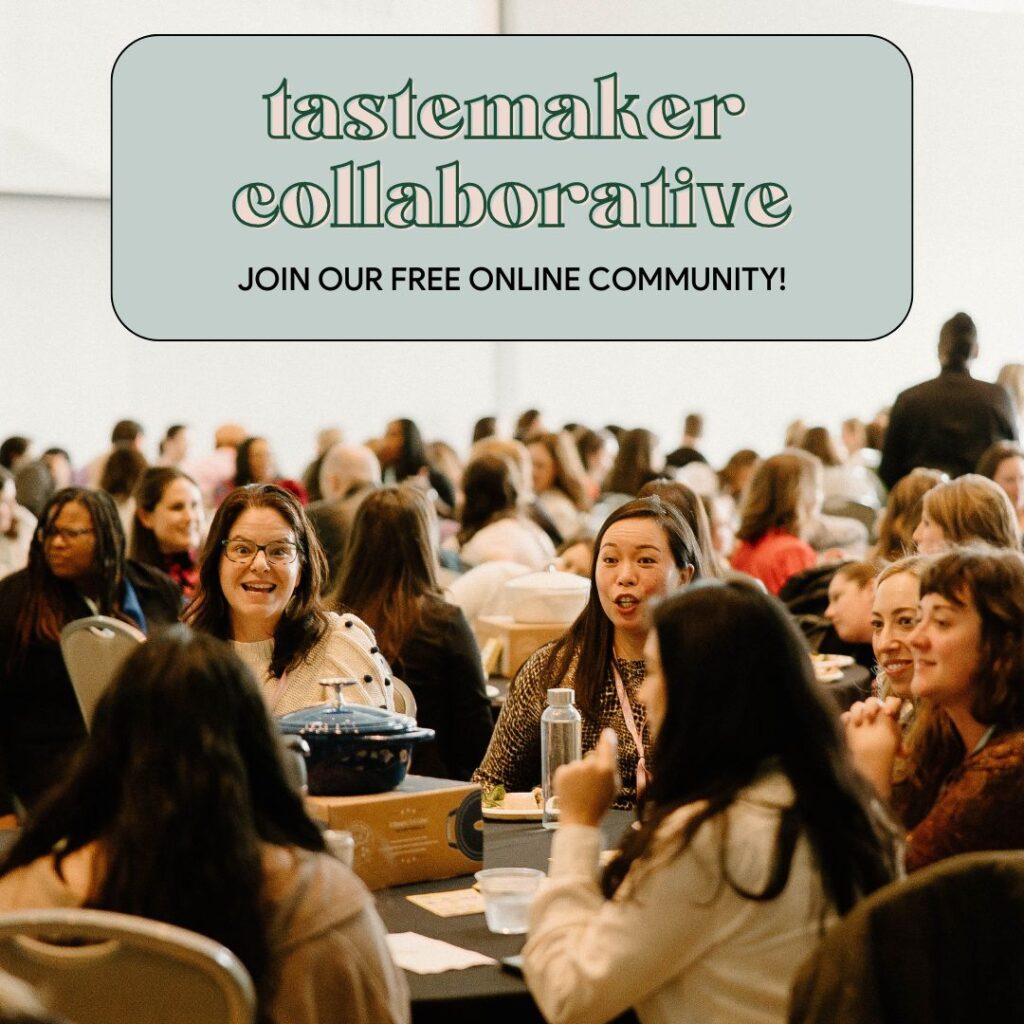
{"points": [[587, 788]]}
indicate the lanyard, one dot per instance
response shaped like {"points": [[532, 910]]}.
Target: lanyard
{"points": [[627, 714]]}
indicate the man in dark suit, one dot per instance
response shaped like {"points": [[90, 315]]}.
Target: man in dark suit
{"points": [[348, 473], [946, 423]]}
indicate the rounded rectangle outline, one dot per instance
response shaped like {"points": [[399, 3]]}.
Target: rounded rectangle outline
{"points": [[478, 35]]}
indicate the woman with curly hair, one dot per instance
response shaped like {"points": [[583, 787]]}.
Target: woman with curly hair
{"points": [[76, 568], [956, 791]]}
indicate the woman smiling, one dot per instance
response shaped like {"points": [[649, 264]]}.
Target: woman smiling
{"points": [[260, 576], [960, 789]]}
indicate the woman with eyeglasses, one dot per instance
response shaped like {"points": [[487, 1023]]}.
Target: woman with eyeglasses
{"points": [[76, 568], [260, 576]]}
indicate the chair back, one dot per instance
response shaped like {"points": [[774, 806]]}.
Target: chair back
{"points": [[944, 946], [405, 702], [98, 967], [94, 649]]}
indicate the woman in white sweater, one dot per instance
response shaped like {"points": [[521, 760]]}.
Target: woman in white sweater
{"points": [[755, 834], [260, 576]]}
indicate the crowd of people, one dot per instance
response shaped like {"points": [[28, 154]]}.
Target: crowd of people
{"points": [[765, 811]]}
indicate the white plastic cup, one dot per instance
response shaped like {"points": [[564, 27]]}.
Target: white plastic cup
{"points": [[340, 844], [508, 893]]}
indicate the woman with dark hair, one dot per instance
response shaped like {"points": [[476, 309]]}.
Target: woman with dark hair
{"points": [[1003, 463], [634, 464], [530, 422], [255, 464], [260, 577], [961, 785], [168, 525], [493, 528], [121, 473], [778, 507], [755, 833], [389, 577], [403, 455], [644, 551], [486, 426], [76, 568], [179, 809]]}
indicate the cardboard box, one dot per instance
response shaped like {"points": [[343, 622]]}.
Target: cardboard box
{"points": [[518, 639], [425, 829]]}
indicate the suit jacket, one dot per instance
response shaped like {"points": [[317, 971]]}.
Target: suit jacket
{"points": [[945, 424]]}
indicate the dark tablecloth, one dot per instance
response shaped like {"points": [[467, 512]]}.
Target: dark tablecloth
{"points": [[481, 995]]}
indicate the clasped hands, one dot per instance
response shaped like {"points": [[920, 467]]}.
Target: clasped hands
{"points": [[872, 730]]}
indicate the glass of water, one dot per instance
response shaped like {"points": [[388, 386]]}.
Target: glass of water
{"points": [[508, 893]]}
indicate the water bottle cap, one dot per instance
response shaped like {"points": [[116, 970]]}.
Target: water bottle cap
{"points": [[561, 696]]}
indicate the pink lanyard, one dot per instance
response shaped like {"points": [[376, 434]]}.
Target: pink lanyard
{"points": [[627, 714]]}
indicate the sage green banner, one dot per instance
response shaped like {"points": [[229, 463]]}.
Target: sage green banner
{"points": [[692, 187]]}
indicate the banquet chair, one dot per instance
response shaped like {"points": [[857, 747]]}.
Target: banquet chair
{"points": [[94, 649], [944, 946], [98, 967]]}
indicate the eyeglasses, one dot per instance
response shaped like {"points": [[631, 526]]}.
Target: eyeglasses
{"points": [[278, 552], [64, 532]]}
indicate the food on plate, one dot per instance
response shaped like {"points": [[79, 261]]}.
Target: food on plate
{"points": [[496, 797]]}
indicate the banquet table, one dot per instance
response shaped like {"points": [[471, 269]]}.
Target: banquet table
{"points": [[486, 994], [854, 685]]}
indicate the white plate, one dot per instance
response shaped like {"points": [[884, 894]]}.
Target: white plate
{"points": [[513, 813], [833, 660]]}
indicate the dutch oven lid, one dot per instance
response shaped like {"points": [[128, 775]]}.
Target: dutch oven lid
{"points": [[350, 719], [340, 718]]}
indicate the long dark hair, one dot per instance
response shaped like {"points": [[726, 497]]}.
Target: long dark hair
{"points": [[490, 491], [632, 467], [585, 649], [148, 493], [122, 470], [243, 462], [412, 456], [388, 568], [304, 620], [741, 697], [51, 603], [180, 782]]}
